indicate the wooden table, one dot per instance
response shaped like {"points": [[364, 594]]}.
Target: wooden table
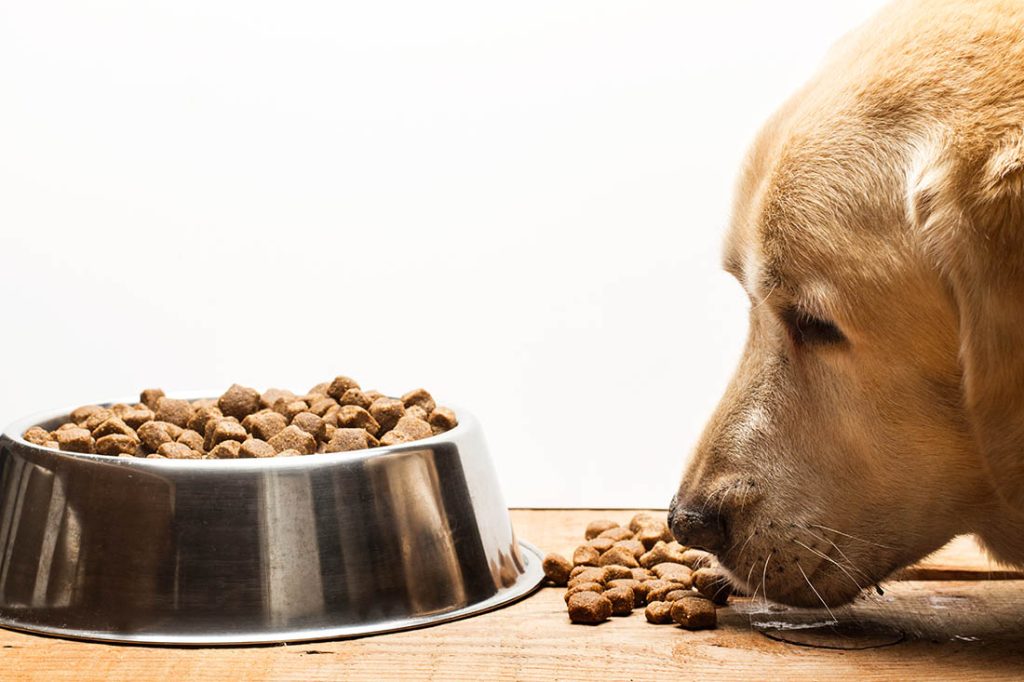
{"points": [[955, 615]]}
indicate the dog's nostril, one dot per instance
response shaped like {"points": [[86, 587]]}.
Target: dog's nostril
{"points": [[697, 528]]}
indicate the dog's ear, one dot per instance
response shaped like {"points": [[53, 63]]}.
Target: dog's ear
{"points": [[967, 207]]}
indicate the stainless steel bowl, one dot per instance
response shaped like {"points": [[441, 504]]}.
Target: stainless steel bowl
{"points": [[252, 551]]}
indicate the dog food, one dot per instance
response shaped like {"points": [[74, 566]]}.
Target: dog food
{"points": [[335, 416], [619, 568], [589, 607]]}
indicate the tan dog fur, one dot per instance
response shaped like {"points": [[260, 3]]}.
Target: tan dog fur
{"points": [[886, 197]]}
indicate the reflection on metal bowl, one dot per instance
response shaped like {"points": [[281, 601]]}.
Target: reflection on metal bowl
{"points": [[249, 551]]}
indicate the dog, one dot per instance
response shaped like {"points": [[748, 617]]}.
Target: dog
{"points": [[878, 229]]}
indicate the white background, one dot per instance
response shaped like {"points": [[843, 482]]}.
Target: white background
{"points": [[518, 205]]}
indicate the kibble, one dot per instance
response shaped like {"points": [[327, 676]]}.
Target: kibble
{"points": [[713, 584], [620, 556], [75, 440], [175, 411], [624, 567], [335, 416], [622, 600], [658, 612], [556, 569], [582, 587], [345, 440], [442, 419], [694, 613], [589, 607]]}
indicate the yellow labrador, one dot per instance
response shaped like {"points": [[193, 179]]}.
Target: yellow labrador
{"points": [[878, 229]]}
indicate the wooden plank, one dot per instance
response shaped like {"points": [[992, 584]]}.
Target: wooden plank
{"points": [[970, 629]]}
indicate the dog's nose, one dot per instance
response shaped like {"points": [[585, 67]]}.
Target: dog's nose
{"points": [[696, 527]]}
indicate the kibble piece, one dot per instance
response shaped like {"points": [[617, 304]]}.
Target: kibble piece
{"points": [[622, 598], [272, 395], [254, 447], [97, 418], [289, 408], [618, 555], [595, 528], [616, 572], [192, 439], [641, 574], [585, 556], [354, 396], [587, 574], [696, 558], [640, 520], [136, 417], [311, 424], [330, 417], [173, 450], [153, 434], [662, 552], [36, 435], [673, 595], [442, 419], [320, 406], [116, 444], [421, 398], [658, 612], [634, 587], [80, 414], [221, 430], [654, 531], [289, 453], [617, 534], [78, 439], [150, 397], [113, 425], [344, 440], [602, 545], [265, 425], [151, 456], [713, 584], [675, 572], [635, 547], [239, 401], [120, 408], [582, 587], [407, 429], [556, 569], [201, 415], [339, 385], [355, 417], [418, 412], [226, 449], [658, 590], [293, 438], [694, 613], [175, 411], [387, 412], [589, 608]]}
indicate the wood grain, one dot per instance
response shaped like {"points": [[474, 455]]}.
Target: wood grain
{"points": [[951, 629]]}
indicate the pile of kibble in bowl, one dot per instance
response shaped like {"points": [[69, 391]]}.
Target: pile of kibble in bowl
{"points": [[336, 416], [621, 568]]}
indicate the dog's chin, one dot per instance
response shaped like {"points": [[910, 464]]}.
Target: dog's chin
{"points": [[800, 569]]}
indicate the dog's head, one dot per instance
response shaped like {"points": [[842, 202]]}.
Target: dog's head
{"points": [[878, 409]]}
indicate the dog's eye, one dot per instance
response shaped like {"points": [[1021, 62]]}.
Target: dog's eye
{"points": [[807, 330]]}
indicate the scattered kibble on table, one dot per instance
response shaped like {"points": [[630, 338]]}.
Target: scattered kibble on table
{"points": [[621, 568]]}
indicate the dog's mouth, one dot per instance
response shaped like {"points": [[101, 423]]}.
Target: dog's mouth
{"points": [[808, 565]]}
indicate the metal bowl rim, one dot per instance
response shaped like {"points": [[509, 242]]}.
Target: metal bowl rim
{"points": [[14, 431]]}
